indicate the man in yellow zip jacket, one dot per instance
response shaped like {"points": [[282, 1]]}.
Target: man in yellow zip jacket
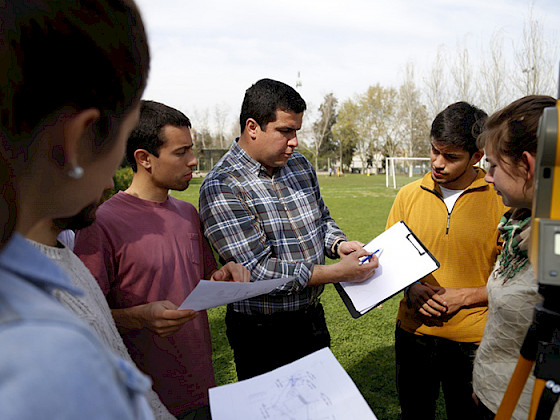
{"points": [[441, 318]]}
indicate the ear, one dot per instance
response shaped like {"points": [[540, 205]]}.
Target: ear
{"points": [[476, 157], [143, 158], [75, 129], [251, 126], [528, 161]]}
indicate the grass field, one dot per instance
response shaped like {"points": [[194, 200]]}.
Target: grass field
{"points": [[364, 346]]}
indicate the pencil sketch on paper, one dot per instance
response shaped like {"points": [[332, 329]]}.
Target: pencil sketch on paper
{"points": [[315, 387], [296, 397]]}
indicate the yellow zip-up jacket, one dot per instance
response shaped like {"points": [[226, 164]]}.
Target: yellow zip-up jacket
{"points": [[466, 243]]}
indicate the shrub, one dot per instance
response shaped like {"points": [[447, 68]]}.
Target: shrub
{"points": [[122, 180]]}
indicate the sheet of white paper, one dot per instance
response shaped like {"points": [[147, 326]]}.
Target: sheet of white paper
{"points": [[209, 294], [314, 387], [400, 264]]}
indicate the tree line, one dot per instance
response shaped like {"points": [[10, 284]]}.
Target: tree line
{"points": [[387, 121]]}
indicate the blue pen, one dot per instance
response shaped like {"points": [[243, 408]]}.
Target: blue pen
{"points": [[369, 256]]}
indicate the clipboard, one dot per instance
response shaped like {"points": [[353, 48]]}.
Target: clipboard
{"points": [[403, 260]]}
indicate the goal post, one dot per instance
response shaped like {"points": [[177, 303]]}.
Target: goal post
{"points": [[406, 166]]}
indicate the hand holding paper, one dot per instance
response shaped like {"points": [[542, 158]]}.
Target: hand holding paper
{"points": [[232, 272], [161, 317]]}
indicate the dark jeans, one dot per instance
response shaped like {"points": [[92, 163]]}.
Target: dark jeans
{"points": [[262, 343], [425, 362]]}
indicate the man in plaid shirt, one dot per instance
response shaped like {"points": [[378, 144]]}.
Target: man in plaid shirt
{"points": [[261, 206]]}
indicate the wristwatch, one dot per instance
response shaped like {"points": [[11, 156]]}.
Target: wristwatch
{"points": [[336, 245]]}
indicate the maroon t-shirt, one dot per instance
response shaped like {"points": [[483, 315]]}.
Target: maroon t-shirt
{"points": [[143, 251]]}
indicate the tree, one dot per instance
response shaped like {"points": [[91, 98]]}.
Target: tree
{"points": [[322, 127], [344, 132], [375, 121], [201, 132], [413, 117], [534, 61], [221, 113], [492, 75], [462, 75], [435, 85]]}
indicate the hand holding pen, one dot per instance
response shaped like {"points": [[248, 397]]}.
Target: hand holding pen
{"points": [[368, 257]]}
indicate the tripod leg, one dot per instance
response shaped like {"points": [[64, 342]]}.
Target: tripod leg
{"points": [[514, 389], [538, 389]]}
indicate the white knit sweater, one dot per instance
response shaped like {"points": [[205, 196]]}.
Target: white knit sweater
{"points": [[511, 303], [92, 308]]}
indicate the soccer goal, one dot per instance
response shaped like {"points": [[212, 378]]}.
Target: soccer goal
{"points": [[404, 168]]}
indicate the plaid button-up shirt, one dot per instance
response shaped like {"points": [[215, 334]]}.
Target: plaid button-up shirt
{"points": [[276, 226]]}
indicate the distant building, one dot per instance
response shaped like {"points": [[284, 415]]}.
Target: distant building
{"points": [[373, 165]]}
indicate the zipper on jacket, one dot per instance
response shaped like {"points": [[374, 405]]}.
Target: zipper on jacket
{"points": [[448, 212]]}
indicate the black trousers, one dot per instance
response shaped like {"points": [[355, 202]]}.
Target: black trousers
{"points": [[425, 362], [484, 412], [262, 343]]}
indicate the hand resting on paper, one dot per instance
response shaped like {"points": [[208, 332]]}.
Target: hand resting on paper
{"points": [[347, 247], [161, 317], [350, 268], [232, 272]]}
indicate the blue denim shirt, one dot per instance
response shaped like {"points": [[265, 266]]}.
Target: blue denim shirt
{"points": [[51, 365]]}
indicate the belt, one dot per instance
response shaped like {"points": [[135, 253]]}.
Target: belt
{"points": [[309, 310]]}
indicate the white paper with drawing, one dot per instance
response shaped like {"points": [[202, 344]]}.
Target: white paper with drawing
{"points": [[314, 387], [209, 294], [403, 260]]}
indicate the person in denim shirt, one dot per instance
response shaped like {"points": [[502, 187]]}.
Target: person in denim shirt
{"points": [[72, 74]]}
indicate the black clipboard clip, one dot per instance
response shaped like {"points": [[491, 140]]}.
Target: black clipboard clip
{"points": [[411, 237]]}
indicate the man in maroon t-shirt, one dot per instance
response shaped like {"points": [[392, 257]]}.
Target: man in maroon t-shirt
{"points": [[147, 253]]}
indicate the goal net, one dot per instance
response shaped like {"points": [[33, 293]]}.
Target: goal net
{"points": [[400, 171]]}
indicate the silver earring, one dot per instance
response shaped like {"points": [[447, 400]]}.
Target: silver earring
{"points": [[76, 172]]}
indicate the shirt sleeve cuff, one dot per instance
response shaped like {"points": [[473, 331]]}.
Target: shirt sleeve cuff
{"points": [[302, 274]]}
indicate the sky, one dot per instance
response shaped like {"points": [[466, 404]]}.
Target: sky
{"points": [[205, 54]]}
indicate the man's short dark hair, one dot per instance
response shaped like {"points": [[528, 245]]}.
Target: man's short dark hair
{"points": [[264, 98], [148, 134], [74, 55], [459, 125]]}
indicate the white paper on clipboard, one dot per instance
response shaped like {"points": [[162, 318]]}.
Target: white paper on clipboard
{"points": [[403, 260]]}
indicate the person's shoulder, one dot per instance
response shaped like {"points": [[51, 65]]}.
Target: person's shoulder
{"points": [[224, 165], [183, 205], [43, 358], [300, 160], [108, 207], [297, 156], [222, 175], [411, 188]]}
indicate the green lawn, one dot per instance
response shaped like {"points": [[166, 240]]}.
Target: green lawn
{"points": [[364, 346]]}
